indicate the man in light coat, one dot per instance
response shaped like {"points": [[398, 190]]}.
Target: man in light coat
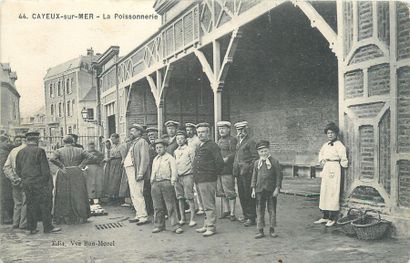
{"points": [[136, 166]]}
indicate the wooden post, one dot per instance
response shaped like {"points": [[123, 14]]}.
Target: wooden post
{"points": [[160, 116], [217, 108], [216, 87], [160, 103]]}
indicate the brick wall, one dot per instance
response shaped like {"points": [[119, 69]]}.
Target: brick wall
{"points": [[403, 109], [284, 83], [367, 110], [403, 30], [404, 183], [366, 53], [365, 19], [354, 84], [379, 79], [366, 151], [383, 23]]}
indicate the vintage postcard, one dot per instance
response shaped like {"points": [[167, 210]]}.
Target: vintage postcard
{"points": [[204, 131]]}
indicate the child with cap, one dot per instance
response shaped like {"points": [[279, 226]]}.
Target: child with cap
{"points": [[184, 186], [163, 177], [266, 183]]}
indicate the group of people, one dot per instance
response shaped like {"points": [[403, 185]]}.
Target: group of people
{"points": [[186, 168], [181, 172]]}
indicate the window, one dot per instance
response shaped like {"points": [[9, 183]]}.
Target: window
{"points": [[90, 114], [69, 130], [68, 108], [52, 110], [60, 109], [62, 131], [68, 86], [59, 88], [51, 90], [72, 84]]}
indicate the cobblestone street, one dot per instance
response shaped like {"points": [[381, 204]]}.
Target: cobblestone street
{"points": [[299, 241]]}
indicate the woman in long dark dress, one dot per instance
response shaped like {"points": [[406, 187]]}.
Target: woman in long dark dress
{"points": [[71, 199], [94, 174], [124, 191], [113, 170]]}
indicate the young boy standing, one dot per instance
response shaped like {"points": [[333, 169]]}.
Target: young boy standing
{"points": [[163, 177], [266, 183], [184, 186]]}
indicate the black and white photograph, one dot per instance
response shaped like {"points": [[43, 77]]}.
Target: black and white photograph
{"points": [[205, 131]]}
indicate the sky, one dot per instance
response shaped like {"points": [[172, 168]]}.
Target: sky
{"points": [[31, 46]]}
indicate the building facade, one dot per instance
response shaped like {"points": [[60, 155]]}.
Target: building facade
{"points": [[287, 67], [9, 100], [34, 122], [70, 91]]}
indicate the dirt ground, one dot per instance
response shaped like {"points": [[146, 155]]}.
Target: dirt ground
{"points": [[299, 241]]}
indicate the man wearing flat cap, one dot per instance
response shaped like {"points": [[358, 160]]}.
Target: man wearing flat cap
{"points": [[172, 127], [208, 164], [226, 181], [33, 168], [136, 165], [19, 198], [266, 184], [164, 175], [245, 157]]}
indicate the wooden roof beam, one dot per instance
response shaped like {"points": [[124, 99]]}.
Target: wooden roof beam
{"points": [[317, 21]]}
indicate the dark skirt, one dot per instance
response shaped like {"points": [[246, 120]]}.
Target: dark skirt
{"points": [[124, 187], [94, 178], [112, 180], [71, 199], [6, 199]]}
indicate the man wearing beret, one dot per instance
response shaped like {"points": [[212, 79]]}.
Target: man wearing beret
{"points": [[208, 164], [33, 168], [136, 165], [245, 157], [226, 181], [172, 127]]}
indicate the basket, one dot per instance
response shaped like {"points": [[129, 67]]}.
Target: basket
{"points": [[345, 222], [370, 228]]}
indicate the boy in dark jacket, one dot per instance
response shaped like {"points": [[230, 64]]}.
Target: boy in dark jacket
{"points": [[266, 183]]}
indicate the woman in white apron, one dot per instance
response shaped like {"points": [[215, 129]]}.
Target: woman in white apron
{"points": [[332, 157]]}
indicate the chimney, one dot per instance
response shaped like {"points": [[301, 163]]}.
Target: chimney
{"points": [[90, 52]]}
